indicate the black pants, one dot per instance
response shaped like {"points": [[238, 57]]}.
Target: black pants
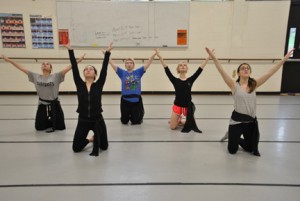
{"points": [[45, 115], [82, 130], [133, 112], [234, 137]]}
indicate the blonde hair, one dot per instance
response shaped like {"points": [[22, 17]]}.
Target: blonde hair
{"points": [[129, 59], [177, 69]]}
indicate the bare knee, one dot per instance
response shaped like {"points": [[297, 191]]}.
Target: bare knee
{"points": [[173, 121], [173, 125]]}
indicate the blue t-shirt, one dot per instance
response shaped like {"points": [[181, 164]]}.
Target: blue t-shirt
{"points": [[131, 82]]}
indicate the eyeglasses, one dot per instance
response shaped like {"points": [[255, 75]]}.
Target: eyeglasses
{"points": [[245, 68]]}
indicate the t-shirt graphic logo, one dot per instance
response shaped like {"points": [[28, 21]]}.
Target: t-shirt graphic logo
{"points": [[131, 82]]}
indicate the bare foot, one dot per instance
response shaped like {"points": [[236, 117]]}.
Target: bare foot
{"points": [[91, 139], [225, 137], [181, 123]]}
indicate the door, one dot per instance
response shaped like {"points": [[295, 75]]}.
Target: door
{"points": [[291, 70]]}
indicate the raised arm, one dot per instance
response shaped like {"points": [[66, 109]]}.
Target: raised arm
{"points": [[149, 62], [204, 62], [69, 67], [76, 74], [113, 65], [111, 62], [18, 66], [103, 73], [261, 80], [163, 63], [171, 77], [227, 79]]}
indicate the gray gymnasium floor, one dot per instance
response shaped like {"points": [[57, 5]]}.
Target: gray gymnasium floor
{"points": [[149, 161]]}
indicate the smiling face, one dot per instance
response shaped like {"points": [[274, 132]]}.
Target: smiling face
{"points": [[182, 67], [244, 70], [90, 72], [46, 66], [129, 64]]}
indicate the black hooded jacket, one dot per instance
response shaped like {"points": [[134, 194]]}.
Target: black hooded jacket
{"points": [[89, 103]]}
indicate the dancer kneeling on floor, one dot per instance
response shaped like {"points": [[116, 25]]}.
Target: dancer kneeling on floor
{"points": [[243, 119], [183, 104], [89, 93], [49, 115], [132, 108]]}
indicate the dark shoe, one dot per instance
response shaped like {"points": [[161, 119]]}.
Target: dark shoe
{"points": [[256, 153], [94, 153]]}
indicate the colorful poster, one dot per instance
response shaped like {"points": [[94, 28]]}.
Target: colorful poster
{"points": [[63, 36], [182, 37], [12, 31], [41, 32]]}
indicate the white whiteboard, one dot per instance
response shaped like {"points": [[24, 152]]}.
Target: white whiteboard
{"points": [[126, 24]]}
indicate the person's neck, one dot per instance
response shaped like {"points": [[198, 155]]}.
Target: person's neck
{"points": [[243, 81], [46, 73], [182, 76], [89, 81]]}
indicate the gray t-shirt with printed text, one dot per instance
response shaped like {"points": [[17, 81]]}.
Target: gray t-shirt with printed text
{"points": [[46, 87]]}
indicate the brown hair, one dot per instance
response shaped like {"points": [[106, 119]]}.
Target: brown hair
{"points": [[49, 64], [251, 81]]}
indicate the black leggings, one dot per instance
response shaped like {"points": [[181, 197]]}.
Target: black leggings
{"points": [[234, 137], [82, 130], [132, 111], [44, 118]]}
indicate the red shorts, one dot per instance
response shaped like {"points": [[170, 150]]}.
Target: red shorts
{"points": [[179, 110]]}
